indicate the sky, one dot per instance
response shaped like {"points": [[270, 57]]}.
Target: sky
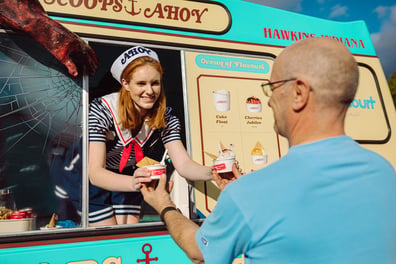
{"points": [[379, 15]]}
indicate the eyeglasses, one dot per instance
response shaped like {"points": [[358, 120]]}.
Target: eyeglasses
{"points": [[268, 86]]}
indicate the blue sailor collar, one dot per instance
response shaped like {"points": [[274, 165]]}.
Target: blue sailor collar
{"points": [[111, 102]]}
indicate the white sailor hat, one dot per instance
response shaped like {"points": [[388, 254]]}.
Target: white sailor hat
{"points": [[128, 56]]}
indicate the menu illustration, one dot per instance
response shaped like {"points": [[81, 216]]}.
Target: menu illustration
{"points": [[253, 104], [221, 100], [235, 115]]}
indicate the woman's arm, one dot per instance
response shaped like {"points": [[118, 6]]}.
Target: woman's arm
{"points": [[184, 165], [108, 180]]}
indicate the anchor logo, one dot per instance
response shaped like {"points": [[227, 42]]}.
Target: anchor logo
{"points": [[146, 249]]}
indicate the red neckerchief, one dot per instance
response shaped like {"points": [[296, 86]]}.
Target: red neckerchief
{"points": [[126, 152]]}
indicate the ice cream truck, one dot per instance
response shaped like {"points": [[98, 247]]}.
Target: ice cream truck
{"points": [[215, 55]]}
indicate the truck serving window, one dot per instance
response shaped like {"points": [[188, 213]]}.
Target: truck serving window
{"points": [[41, 131]]}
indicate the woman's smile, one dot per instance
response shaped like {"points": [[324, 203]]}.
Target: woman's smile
{"points": [[144, 87]]}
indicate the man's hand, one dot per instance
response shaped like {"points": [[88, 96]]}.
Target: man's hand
{"points": [[159, 197], [223, 182]]}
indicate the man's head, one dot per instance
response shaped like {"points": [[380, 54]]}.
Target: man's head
{"points": [[325, 79]]}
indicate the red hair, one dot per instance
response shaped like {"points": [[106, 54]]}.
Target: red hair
{"points": [[128, 114]]}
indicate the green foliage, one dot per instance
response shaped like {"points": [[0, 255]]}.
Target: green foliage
{"points": [[392, 86]]}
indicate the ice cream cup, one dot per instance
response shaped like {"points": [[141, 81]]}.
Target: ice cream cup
{"points": [[224, 167], [156, 171], [224, 164]]}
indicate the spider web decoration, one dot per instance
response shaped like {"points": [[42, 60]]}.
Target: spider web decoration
{"points": [[40, 118], [36, 98]]}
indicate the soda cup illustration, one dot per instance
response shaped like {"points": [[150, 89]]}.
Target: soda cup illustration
{"points": [[221, 100]]}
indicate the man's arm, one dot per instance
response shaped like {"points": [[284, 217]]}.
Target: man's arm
{"points": [[181, 229]]}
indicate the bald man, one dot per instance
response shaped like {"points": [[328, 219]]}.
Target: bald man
{"points": [[328, 200]]}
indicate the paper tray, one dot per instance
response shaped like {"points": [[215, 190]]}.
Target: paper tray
{"points": [[17, 225]]}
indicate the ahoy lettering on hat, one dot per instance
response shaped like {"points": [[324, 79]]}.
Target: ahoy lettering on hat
{"points": [[127, 57]]}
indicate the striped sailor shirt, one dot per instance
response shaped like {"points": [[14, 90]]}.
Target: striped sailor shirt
{"points": [[104, 127]]}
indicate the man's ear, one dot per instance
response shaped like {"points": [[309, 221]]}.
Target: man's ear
{"points": [[301, 92]]}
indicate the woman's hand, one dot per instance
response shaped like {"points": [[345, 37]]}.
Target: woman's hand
{"points": [[141, 176]]}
